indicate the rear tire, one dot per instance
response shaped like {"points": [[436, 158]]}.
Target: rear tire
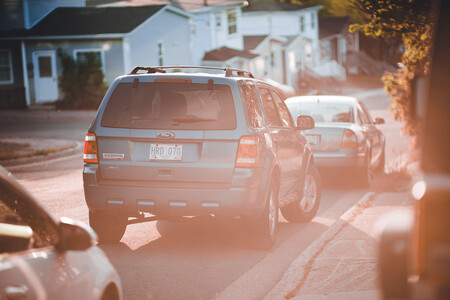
{"points": [[380, 167], [109, 227], [262, 232], [362, 174], [305, 208]]}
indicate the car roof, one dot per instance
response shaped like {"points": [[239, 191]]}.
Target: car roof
{"points": [[322, 98]]}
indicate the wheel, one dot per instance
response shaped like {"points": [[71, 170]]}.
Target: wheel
{"points": [[380, 167], [363, 174], [262, 232], [109, 227], [305, 208]]}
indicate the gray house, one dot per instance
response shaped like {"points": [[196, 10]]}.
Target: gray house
{"points": [[121, 38]]}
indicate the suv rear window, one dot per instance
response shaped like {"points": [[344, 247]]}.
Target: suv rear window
{"points": [[169, 105]]}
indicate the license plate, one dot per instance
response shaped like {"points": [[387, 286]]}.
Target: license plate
{"points": [[313, 139], [166, 151]]}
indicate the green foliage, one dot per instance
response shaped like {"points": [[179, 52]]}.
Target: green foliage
{"points": [[412, 22], [81, 82]]}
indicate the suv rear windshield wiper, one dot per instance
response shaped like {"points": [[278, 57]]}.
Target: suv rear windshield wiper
{"points": [[191, 120]]}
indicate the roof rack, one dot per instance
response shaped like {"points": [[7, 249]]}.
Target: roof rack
{"points": [[229, 72]]}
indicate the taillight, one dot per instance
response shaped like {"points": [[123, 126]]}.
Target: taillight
{"points": [[247, 154], [349, 139], [90, 149]]}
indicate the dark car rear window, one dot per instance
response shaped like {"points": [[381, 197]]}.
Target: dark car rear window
{"points": [[169, 105]]}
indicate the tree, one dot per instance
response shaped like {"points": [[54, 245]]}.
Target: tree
{"points": [[410, 20], [81, 82]]}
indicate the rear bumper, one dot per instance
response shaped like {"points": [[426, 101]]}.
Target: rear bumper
{"points": [[348, 160], [243, 197]]}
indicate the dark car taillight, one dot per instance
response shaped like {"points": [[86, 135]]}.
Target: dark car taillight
{"points": [[349, 139], [247, 154], [90, 155]]}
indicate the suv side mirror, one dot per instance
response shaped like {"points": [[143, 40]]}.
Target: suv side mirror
{"points": [[75, 235], [305, 122]]}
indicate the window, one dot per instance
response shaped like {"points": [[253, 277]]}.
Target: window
{"points": [[232, 25], [284, 112], [218, 21], [269, 108], [6, 72], [323, 111], [167, 105], [325, 50], [194, 31], [161, 53], [45, 66], [254, 115], [365, 115], [94, 55], [302, 23]]}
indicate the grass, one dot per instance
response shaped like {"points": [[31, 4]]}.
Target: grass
{"points": [[12, 153], [395, 177]]}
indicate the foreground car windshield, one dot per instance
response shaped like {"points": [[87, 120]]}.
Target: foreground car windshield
{"points": [[323, 111], [170, 106]]}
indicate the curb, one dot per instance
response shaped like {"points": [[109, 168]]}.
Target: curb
{"points": [[299, 269], [28, 161]]}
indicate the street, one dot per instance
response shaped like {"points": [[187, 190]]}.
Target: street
{"points": [[201, 257]]}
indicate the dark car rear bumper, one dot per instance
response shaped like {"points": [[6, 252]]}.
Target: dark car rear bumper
{"points": [[339, 160]]}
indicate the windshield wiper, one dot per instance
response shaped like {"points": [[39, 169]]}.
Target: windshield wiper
{"points": [[177, 121]]}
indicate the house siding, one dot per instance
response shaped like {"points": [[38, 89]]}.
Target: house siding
{"points": [[209, 36], [12, 95], [176, 40]]}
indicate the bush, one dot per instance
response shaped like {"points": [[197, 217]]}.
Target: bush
{"points": [[81, 82]]}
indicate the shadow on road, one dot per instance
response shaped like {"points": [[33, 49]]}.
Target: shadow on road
{"points": [[199, 257]]}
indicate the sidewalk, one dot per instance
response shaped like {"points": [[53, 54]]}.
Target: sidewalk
{"points": [[342, 263]]}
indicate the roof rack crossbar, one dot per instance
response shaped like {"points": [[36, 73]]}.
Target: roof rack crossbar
{"points": [[229, 72], [150, 70]]}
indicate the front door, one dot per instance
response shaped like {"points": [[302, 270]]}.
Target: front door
{"points": [[46, 79]]}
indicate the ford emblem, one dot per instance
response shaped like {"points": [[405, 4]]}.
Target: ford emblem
{"points": [[167, 135]]}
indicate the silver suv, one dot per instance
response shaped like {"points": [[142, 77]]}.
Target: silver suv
{"points": [[189, 144]]}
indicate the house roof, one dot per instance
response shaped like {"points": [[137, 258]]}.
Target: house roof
{"points": [[274, 6], [329, 26], [225, 53], [251, 42], [183, 4], [93, 20]]}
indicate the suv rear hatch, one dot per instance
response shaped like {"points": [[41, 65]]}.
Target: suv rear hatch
{"points": [[170, 130]]}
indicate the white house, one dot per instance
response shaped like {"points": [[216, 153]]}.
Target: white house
{"points": [[336, 44], [214, 24], [121, 37], [15, 18], [297, 24]]}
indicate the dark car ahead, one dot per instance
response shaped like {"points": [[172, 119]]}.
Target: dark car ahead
{"points": [[345, 135], [190, 144]]}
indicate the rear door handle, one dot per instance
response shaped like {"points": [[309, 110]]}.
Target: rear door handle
{"points": [[16, 292]]}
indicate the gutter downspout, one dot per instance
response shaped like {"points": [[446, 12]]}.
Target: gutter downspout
{"points": [[25, 73]]}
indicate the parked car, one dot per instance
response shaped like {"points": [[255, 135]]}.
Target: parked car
{"points": [[42, 258], [191, 144], [345, 135]]}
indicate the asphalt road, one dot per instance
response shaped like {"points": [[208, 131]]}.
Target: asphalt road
{"points": [[200, 258]]}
